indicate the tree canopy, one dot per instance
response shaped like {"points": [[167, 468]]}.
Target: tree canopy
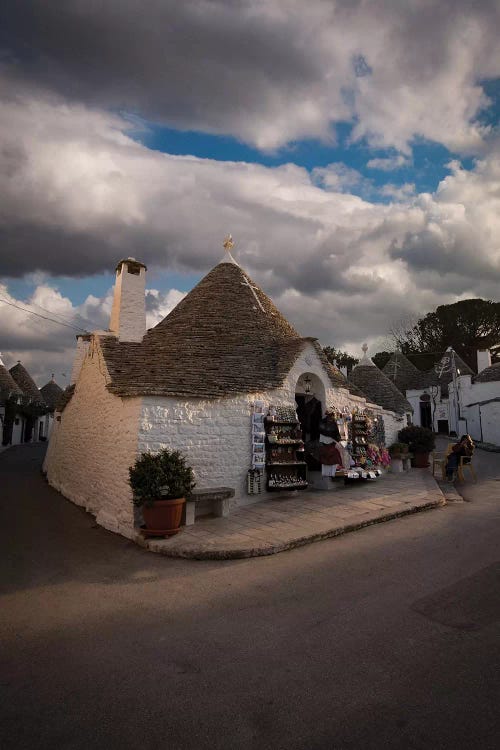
{"points": [[339, 358], [467, 326]]}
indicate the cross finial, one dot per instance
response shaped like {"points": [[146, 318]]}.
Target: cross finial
{"points": [[228, 243]]}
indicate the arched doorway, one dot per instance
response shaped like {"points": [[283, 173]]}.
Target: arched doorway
{"points": [[310, 397]]}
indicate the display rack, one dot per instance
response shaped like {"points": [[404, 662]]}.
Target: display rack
{"points": [[286, 468]]}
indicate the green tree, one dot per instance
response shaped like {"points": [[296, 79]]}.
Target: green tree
{"points": [[467, 326], [340, 359]]}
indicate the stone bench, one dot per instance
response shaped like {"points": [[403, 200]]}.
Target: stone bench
{"points": [[217, 497]]}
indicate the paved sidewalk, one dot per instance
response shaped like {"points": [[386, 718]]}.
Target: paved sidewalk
{"points": [[291, 521]]}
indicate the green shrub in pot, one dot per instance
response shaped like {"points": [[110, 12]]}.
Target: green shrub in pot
{"points": [[418, 439]]}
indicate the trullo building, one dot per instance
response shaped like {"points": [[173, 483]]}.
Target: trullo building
{"points": [[189, 383]]}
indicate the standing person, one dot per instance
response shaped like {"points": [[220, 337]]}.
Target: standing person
{"points": [[464, 447]]}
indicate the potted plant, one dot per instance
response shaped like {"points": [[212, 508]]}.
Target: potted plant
{"points": [[160, 482], [398, 450], [420, 441]]}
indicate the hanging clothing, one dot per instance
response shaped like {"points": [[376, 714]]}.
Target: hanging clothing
{"points": [[328, 471], [329, 455]]}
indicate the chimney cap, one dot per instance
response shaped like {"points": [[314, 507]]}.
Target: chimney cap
{"points": [[132, 262]]}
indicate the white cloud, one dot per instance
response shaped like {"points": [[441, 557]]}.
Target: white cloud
{"points": [[390, 163], [398, 192], [339, 266], [40, 331]]}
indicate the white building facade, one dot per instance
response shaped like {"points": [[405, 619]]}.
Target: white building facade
{"points": [[188, 384]]}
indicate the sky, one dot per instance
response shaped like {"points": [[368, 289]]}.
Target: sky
{"points": [[351, 148]]}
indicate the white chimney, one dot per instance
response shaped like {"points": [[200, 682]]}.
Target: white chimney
{"points": [[483, 359], [128, 314]]}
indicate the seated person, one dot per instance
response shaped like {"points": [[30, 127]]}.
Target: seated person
{"points": [[464, 447]]}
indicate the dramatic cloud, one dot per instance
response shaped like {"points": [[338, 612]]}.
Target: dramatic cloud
{"points": [[268, 72], [342, 257]]}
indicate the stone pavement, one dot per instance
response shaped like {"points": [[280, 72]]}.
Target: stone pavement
{"points": [[293, 520]]}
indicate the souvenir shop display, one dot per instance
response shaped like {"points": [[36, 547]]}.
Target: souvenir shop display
{"points": [[258, 436], [285, 465], [360, 433], [368, 456]]}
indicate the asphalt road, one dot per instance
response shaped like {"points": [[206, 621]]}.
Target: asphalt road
{"points": [[385, 638]]}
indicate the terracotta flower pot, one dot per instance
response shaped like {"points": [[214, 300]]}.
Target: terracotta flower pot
{"points": [[163, 518], [421, 460]]}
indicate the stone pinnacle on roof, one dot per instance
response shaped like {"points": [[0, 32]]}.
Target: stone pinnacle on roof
{"points": [[365, 359], [228, 245]]}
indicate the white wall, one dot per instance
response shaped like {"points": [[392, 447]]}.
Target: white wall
{"points": [[393, 423], [215, 434], [490, 420], [100, 435], [440, 407], [93, 445], [481, 420]]}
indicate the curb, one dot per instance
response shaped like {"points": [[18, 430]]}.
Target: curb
{"points": [[450, 492], [245, 553]]}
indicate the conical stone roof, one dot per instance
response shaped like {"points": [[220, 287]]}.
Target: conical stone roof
{"points": [[489, 374], [8, 386], [51, 393], [377, 386], [403, 373], [26, 382], [226, 336]]}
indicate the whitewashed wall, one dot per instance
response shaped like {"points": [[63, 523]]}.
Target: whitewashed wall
{"points": [[393, 423], [481, 420], [100, 435], [93, 445], [215, 434]]}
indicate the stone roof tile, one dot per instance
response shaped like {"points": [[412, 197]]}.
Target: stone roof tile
{"points": [[26, 382], [489, 374], [377, 386], [226, 336], [51, 393]]}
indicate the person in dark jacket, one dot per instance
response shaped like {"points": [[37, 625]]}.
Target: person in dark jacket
{"points": [[464, 447]]}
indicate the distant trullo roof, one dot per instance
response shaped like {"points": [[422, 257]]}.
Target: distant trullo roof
{"points": [[51, 393], [226, 336], [377, 386], [402, 372], [442, 373], [489, 374], [8, 386], [26, 382]]}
